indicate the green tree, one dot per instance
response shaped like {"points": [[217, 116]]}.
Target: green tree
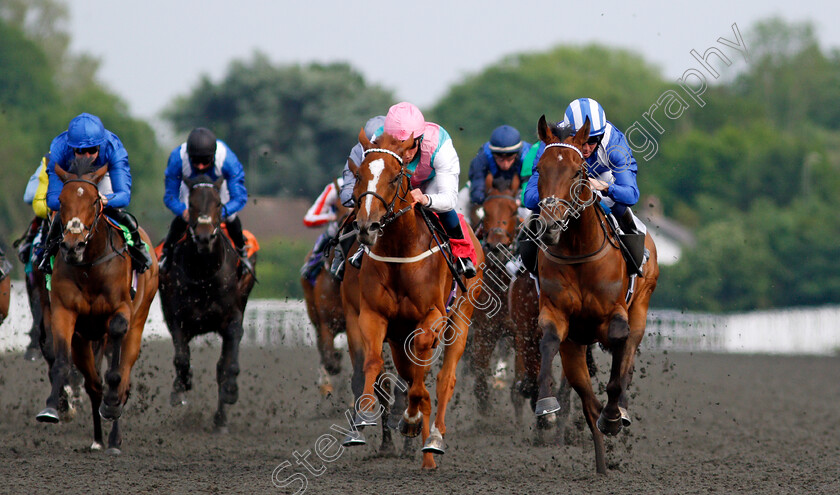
{"points": [[291, 126]]}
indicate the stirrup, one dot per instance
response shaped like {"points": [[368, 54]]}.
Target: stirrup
{"points": [[244, 262], [337, 266]]}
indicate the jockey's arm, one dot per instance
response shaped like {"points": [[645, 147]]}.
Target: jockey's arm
{"points": [[531, 196], [443, 188], [172, 184], [478, 172], [323, 209], [356, 155], [120, 173], [234, 175], [624, 189]]}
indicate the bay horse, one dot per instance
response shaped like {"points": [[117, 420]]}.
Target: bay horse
{"points": [[201, 292], [92, 311], [403, 286], [489, 325], [5, 289], [584, 288]]}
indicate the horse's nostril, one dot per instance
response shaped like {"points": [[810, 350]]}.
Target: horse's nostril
{"points": [[375, 227]]}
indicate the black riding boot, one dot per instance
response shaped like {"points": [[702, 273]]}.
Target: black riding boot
{"points": [[632, 239], [51, 245], [24, 244], [464, 266], [341, 249], [141, 260], [234, 228]]}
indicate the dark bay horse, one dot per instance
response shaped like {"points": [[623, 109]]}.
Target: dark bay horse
{"points": [[401, 296], [201, 292], [5, 296], [92, 310], [491, 324], [584, 284]]}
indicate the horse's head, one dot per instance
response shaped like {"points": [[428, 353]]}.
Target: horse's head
{"points": [[382, 184], [205, 207], [563, 185], [500, 212], [81, 206]]}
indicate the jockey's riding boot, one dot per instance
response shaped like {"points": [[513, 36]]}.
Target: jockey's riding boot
{"points": [[337, 266], [632, 239], [50, 245], [24, 244], [356, 259], [463, 265], [234, 228], [177, 228], [141, 260]]}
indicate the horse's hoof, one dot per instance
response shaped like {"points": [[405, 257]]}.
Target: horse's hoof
{"points": [[108, 412], [547, 421], [607, 426], [365, 418], [221, 430], [32, 354], [229, 393], [96, 447], [393, 421], [546, 405], [48, 415], [625, 417], [409, 428], [113, 451], [434, 443], [178, 399], [354, 438], [325, 390]]}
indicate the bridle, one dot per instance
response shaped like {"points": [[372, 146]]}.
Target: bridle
{"points": [[75, 226], [572, 210], [390, 215], [203, 219]]}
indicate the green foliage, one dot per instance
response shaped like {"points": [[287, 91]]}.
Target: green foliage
{"points": [[291, 126], [278, 268]]}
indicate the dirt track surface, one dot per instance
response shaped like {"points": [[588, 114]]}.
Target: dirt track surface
{"points": [[702, 423]]}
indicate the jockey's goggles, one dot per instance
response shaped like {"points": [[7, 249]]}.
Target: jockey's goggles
{"points": [[86, 151]]}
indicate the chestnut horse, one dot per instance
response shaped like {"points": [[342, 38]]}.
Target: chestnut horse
{"points": [[404, 284], [92, 310], [491, 324], [585, 283], [200, 292]]}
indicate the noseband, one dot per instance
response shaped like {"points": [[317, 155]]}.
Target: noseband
{"points": [[575, 210], [75, 226], [390, 215]]}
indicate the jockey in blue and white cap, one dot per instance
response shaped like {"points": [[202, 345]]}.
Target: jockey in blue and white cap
{"points": [[85, 135]]}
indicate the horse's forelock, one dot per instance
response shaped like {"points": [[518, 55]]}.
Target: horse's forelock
{"points": [[82, 164]]}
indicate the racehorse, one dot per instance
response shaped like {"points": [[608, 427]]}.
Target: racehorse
{"points": [[92, 309], [491, 324], [200, 292], [5, 291], [403, 286], [585, 288]]}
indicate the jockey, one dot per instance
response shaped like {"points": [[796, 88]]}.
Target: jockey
{"points": [[611, 169], [87, 136], [203, 154], [434, 168], [35, 195], [323, 211], [504, 156], [346, 194]]}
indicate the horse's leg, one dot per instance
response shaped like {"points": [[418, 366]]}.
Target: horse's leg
{"points": [[34, 297], [227, 370], [573, 357], [181, 361], [374, 327], [623, 347], [554, 328], [356, 347], [483, 341], [116, 380], [62, 328], [455, 339], [85, 362], [412, 370]]}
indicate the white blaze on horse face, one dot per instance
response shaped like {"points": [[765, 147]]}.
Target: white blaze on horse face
{"points": [[80, 192], [376, 168], [75, 226]]}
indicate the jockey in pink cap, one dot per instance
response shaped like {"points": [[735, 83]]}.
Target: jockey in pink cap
{"points": [[434, 167]]}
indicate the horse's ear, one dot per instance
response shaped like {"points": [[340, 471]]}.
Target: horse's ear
{"points": [[351, 165], [366, 144], [98, 174], [63, 174], [542, 129], [514, 184], [582, 134], [218, 183], [189, 182], [488, 182]]}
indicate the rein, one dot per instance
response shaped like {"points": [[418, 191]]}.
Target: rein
{"points": [[390, 215], [77, 227]]}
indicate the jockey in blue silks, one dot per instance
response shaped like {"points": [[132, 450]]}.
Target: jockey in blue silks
{"points": [[611, 169], [85, 135], [504, 156], [203, 154]]}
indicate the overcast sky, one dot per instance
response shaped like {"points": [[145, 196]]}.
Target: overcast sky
{"points": [[154, 50]]}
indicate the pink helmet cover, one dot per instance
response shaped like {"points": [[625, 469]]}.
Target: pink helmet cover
{"points": [[404, 120]]}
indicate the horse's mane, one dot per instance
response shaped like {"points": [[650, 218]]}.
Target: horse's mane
{"points": [[561, 131], [502, 184], [385, 141]]}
